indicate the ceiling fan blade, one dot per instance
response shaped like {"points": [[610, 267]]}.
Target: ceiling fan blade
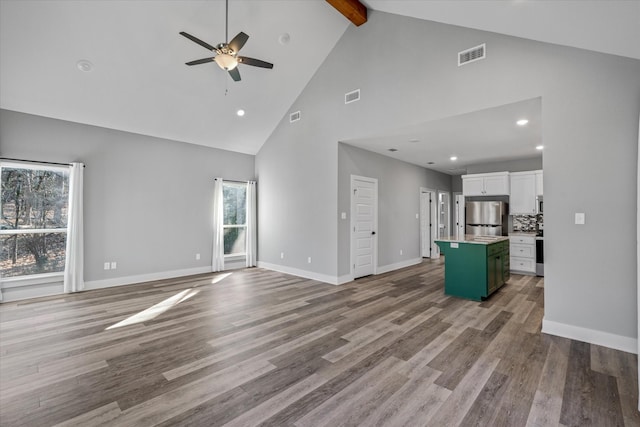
{"points": [[197, 40], [235, 74], [201, 61], [254, 62], [238, 41]]}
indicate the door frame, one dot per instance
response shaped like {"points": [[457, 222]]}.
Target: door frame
{"points": [[448, 216], [459, 214], [435, 250], [374, 242]]}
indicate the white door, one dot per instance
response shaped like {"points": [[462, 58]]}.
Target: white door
{"points": [[364, 206], [459, 216], [428, 248]]}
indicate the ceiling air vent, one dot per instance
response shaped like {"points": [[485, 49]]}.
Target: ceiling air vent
{"points": [[294, 117], [470, 55], [352, 96]]}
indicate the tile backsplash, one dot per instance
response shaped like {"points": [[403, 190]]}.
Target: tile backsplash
{"points": [[527, 223]]}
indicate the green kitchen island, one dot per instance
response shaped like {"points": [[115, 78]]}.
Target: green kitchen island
{"points": [[474, 266]]}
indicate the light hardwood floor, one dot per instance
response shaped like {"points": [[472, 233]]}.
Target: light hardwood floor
{"points": [[256, 347]]}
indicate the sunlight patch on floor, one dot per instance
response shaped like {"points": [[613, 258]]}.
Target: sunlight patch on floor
{"points": [[220, 277], [156, 310]]}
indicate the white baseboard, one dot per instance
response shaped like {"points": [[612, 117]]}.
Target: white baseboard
{"points": [[17, 293], [345, 279], [591, 336], [332, 280], [139, 278], [398, 265]]}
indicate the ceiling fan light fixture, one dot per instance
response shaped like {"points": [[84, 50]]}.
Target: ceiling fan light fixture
{"points": [[226, 61]]}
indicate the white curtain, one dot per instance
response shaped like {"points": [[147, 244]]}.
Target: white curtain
{"points": [[74, 263], [217, 261], [251, 224]]}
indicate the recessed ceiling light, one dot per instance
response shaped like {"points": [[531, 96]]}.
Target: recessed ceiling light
{"points": [[453, 158], [539, 147], [522, 122], [240, 112], [393, 150], [84, 65]]}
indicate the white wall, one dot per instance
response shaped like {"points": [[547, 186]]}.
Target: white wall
{"points": [[407, 72], [148, 201]]}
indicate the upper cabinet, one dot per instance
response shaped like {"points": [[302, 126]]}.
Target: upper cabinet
{"points": [[525, 189], [538, 183], [523, 193], [486, 184]]}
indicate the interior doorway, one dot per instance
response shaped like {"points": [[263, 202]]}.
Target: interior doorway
{"points": [[428, 208], [444, 214]]}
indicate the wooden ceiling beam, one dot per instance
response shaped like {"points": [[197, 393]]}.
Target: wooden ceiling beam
{"points": [[353, 10]]}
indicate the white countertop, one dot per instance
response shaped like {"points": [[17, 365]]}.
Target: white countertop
{"points": [[478, 240]]}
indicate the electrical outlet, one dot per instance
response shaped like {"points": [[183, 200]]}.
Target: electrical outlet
{"points": [[114, 265], [343, 215], [309, 260], [107, 266], [580, 218], [197, 257], [281, 255], [417, 216]]}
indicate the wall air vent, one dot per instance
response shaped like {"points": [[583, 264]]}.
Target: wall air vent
{"points": [[294, 117], [474, 54], [352, 96]]}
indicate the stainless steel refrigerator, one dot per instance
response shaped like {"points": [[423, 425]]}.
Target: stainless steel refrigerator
{"points": [[486, 218]]}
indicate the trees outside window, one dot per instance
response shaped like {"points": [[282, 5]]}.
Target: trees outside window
{"points": [[33, 219], [235, 218]]}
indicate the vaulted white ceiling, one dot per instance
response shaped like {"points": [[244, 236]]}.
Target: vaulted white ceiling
{"points": [[139, 82]]}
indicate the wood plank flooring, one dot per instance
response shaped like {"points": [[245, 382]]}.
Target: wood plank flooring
{"points": [[259, 348]]}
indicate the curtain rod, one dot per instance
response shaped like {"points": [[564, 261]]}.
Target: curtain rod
{"points": [[35, 161], [233, 180]]}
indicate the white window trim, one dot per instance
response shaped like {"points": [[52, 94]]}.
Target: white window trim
{"points": [[12, 231], [32, 279]]}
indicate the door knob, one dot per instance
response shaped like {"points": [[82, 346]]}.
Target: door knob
{"points": [[373, 232]]}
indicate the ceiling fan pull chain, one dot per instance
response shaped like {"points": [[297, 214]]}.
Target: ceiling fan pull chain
{"points": [[226, 22]]}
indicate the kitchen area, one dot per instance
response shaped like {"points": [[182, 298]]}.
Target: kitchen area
{"points": [[500, 231]]}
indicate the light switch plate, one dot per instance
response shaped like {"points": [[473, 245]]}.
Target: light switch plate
{"points": [[343, 215], [580, 218]]}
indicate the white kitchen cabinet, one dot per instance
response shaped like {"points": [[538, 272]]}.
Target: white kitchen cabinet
{"points": [[522, 200], [538, 183], [486, 184], [522, 254]]}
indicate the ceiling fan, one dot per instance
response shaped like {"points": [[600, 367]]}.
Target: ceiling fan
{"points": [[227, 53]]}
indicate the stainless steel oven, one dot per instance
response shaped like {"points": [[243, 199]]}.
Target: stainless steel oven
{"points": [[539, 256]]}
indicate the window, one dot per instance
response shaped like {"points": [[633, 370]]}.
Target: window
{"points": [[33, 219], [235, 218]]}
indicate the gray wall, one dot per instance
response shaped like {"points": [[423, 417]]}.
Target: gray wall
{"points": [[590, 108], [148, 201], [398, 203], [518, 165]]}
